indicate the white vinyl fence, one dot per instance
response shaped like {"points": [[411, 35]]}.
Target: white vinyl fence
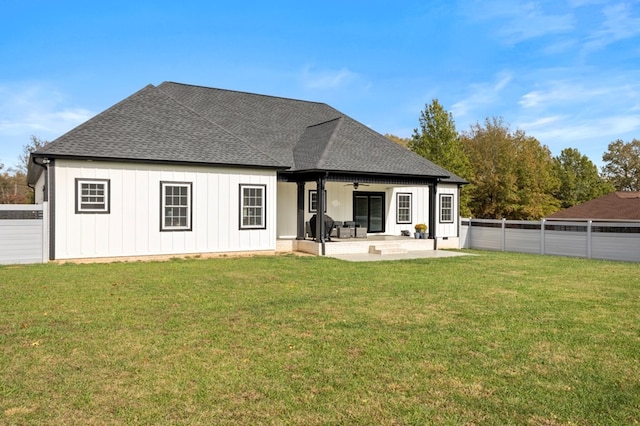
{"points": [[22, 233], [591, 239]]}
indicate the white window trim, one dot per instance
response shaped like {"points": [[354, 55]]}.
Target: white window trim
{"points": [[163, 205], [398, 196], [107, 196], [313, 196], [442, 209], [263, 207]]}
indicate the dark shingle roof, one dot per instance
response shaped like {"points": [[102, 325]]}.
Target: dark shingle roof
{"points": [[193, 124], [613, 206], [152, 126]]}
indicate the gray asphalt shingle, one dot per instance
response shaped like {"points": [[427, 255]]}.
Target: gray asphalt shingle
{"points": [[192, 124]]}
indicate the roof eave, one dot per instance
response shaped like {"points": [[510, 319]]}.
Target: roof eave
{"points": [[159, 161]]}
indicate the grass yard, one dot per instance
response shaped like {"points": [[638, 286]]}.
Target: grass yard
{"points": [[491, 339]]}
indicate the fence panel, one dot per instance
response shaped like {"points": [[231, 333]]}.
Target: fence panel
{"points": [[22, 235], [465, 235], [616, 241], [486, 234], [585, 238], [522, 236]]}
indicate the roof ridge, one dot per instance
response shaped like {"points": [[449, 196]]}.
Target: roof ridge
{"points": [[213, 123], [329, 144], [245, 93]]}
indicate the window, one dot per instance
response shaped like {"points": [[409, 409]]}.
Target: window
{"points": [[403, 208], [446, 208], [92, 196], [175, 206], [252, 206], [313, 201]]}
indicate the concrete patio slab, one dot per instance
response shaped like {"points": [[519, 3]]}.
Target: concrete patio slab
{"points": [[426, 254]]}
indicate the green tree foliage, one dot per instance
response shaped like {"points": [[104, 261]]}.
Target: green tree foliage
{"points": [[397, 139], [579, 178], [622, 165], [13, 188], [13, 181], [437, 140], [514, 174]]}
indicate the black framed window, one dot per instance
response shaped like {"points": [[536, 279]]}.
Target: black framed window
{"points": [[313, 201], [446, 208], [253, 206], [403, 207], [175, 206], [92, 195]]}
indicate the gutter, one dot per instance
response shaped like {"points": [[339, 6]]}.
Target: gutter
{"points": [[45, 162]]}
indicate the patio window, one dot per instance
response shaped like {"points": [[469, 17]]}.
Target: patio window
{"points": [[92, 196], [446, 208], [313, 201], [403, 208], [253, 206]]}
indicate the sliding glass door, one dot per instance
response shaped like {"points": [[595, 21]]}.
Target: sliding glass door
{"points": [[368, 210]]}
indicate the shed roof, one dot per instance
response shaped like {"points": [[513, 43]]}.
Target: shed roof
{"points": [[623, 205]]}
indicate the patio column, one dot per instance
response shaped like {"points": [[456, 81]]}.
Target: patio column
{"points": [[300, 220], [433, 194], [322, 179]]}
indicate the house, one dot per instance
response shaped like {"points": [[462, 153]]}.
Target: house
{"points": [[621, 205], [182, 169]]}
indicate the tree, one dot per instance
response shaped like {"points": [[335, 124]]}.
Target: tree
{"points": [[579, 178], [513, 173], [36, 144], [622, 165], [397, 139], [437, 140]]}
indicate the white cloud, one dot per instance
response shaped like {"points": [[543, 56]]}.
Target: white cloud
{"points": [[37, 108], [520, 21], [481, 95], [571, 129], [593, 93], [542, 122], [327, 79], [34, 109], [619, 24]]}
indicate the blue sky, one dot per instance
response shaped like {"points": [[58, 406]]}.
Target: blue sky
{"points": [[567, 72]]}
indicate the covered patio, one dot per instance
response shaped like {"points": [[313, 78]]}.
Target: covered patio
{"points": [[365, 188]]}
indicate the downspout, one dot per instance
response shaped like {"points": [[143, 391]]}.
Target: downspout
{"points": [[45, 162]]}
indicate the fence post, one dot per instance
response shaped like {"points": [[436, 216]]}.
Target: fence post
{"points": [[589, 236], [542, 236], [504, 237]]}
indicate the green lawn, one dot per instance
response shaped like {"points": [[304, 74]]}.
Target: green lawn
{"points": [[491, 339]]}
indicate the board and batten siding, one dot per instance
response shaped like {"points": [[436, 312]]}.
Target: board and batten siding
{"points": [[448, 229], [132, 227]]}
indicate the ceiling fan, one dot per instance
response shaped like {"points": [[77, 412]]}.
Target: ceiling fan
{"points": [[357, 184]]}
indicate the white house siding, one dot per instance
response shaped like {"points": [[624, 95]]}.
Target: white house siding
{"points": [[287, 210], [448, 233], [132, 228]]}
